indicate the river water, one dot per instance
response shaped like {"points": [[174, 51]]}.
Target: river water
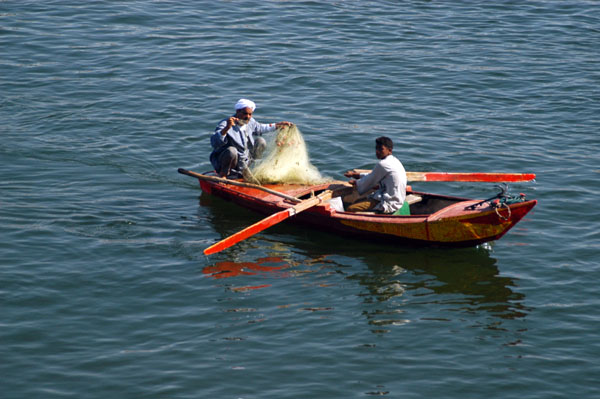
{"points": [[105, 292]]}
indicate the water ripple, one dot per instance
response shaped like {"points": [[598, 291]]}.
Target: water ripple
{"points": [[105, 288]]}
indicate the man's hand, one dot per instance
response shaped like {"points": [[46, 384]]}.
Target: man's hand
{"points": [[279, 125], [230, 122], [352, 174]]}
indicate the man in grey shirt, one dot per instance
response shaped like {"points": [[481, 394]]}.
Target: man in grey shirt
{"points": [[237, 140]]}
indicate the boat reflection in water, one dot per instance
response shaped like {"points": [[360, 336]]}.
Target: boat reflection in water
{"points": [[226, 269], [438, 284], [398, 285]]}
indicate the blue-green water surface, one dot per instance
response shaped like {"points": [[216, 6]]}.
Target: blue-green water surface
{"points": [[105, 292]]}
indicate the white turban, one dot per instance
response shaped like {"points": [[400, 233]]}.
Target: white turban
{"points": [[243, 103]]}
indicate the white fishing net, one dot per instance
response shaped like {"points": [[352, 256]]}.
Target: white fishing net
{"points": [[286, 160]]}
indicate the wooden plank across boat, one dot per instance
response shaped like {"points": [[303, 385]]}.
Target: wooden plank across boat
{"points": [[435, 220]]}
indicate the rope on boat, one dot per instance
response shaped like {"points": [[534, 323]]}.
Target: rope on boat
{"points": [[500, 207], [501, 200]]}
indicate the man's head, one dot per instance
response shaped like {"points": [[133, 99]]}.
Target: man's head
{"points": [[244, 109], [383, 147]]}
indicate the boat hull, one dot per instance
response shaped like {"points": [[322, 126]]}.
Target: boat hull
{"points": [[455, 224]]}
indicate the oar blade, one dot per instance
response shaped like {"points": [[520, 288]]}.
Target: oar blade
{"points": [[248, 231], [470, 177], [267, 222]]}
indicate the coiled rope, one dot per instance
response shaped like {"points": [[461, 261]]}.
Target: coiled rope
{"points": [[501, 200]]}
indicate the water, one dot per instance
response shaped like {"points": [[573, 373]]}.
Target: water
{"points": [[103, 286]]}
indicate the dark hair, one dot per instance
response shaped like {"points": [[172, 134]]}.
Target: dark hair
{"points": [[386, 141]]}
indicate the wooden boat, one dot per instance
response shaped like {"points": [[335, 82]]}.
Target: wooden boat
{"points": [[435, 220]]}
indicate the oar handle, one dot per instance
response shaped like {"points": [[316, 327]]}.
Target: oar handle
{"points": [[236, 183]]}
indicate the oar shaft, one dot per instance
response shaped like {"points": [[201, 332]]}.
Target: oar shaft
{"points": [[491, 177], [236, 183], [248, 232]]}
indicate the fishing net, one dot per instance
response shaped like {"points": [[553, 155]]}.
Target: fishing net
{"points": [[285, 160]]}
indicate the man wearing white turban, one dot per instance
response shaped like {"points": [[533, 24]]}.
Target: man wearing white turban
{"points": [[237, 140]]}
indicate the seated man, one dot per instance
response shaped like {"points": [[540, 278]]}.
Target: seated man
{"points": [[389, 174], [236, 141]]}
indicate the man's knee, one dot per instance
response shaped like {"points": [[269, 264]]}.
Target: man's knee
{"points": [[362, 206], [228, 157], [227, 160], [229, 154]]}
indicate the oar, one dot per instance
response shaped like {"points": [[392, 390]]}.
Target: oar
{"points": [[466, 176], [236, 183], [267, 222]]}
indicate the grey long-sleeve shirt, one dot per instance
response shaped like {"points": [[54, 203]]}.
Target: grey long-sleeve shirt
{"points": [[240, 137]]}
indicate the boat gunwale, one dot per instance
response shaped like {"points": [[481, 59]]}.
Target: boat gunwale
{"points": [[350, 224], [273, 201]]}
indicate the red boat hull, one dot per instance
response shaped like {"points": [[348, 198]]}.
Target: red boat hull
{"points": [[454, 225]]}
